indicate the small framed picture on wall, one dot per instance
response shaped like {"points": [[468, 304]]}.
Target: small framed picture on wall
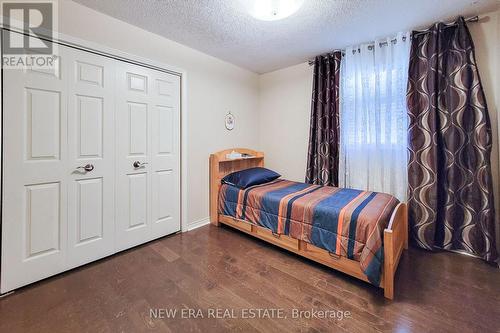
{"points": [[229, 121]]}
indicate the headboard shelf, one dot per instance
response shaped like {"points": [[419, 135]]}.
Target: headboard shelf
{"points": [[241, 158], [221, 166]]}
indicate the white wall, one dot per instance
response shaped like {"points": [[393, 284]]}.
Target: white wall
{"points": [[285, 106], [214, 87], [285, 101]]}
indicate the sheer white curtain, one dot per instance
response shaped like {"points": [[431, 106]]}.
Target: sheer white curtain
{"points": [[374, 117]]}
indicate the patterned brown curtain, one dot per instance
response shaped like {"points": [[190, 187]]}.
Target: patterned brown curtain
{"points": [[450, 186], [323, 155]]}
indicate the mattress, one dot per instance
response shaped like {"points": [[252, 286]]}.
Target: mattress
{"points": [[345, 222]]}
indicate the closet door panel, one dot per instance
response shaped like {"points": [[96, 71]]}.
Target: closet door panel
{"points": [[34, 203], [148, 185], [133, 147], [165, 163], [138, 199], [42, 222], [89, 222], [91, 143]]}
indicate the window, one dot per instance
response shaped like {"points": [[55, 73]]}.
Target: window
{"points": [[374, 118]]}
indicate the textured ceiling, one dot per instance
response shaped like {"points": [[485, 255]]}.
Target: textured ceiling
{"points": [[222, 28]]}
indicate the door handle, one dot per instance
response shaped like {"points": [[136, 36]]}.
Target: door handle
{"points": [[87, 168], [138, 164]]}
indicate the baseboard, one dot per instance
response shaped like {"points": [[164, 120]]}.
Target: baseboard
{"points": [[197, 224]]}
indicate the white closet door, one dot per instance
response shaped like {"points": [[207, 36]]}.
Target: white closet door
{"points": [[147, 155], [91, 140], [165, 153], [35, 169], [133, 144], [90, 163]]}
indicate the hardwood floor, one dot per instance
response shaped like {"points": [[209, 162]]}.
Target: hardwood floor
{"points": [[211, 268]]}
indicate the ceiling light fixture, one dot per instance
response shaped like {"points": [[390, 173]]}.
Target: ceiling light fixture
{"points": [[272, 10]]}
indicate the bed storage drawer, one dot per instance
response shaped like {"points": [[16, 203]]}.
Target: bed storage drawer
{"points": [[280, 240], [267, 235], [332, 260], [238, 224], [305, 249]]}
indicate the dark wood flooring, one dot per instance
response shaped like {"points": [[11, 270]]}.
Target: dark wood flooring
{"points": [[211, 268]]}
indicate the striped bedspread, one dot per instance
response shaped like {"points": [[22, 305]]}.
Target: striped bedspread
{"points": [[346, 222]]}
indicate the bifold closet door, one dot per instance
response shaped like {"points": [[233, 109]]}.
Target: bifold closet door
{"points": [[58, 176], [148, 186], [90, 163], [35, 175], [91, 154]]}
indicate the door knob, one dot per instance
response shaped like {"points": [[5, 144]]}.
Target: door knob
{"points": [[87, 168], [138, 164]]}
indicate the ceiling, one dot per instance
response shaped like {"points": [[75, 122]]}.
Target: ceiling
{"points": [[223, 29]]}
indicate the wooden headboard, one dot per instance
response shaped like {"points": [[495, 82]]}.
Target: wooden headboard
{"points": [[220, 166]]}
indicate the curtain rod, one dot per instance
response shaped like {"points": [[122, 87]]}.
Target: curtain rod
{"points": [[472, 19]]}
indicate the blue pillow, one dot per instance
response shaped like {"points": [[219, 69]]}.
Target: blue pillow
{"points": [[250, 177]]}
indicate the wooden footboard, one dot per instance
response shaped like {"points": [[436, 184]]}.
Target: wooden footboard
{"points": [[395, 241], [395, 235]]}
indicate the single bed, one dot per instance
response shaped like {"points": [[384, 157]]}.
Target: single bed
{"points": [[360, 233]]}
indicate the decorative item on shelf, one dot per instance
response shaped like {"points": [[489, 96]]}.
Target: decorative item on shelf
{"points": [[229, 121], [233, 155]]}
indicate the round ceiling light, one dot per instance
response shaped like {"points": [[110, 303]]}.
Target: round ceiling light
{"points": [[272, 10]]}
